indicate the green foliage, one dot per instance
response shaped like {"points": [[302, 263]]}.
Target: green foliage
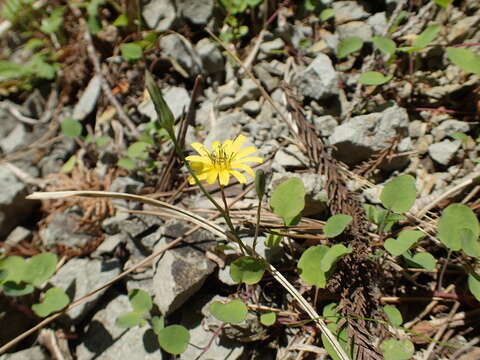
{"points": [[71, 128], [54, 300], [239, 6], [381, 216], [327, 14], [465, 59], [131, 51], [268, 319], [53, 23], [138, 150], [288, 200], [384, 44], [174, 339], [260, 183], [374, 78], [330, 313], [336, 224], [247, 269], [92, 10], [423, 260], [165, 116], [121, 20], [348, 46], [393, 314], [454, 219], [318, 262], [13, 10], [233, 312], [141, 303], [35, 68], [406, 239], [69, 164], [474, 285], [469, 243], [40, 268], [443, 3], [399, 194], [397, 349], [423, 40]]}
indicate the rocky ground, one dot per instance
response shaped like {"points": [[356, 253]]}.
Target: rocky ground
{"points": [[422, 122]]}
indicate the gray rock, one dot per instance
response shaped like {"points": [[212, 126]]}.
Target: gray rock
{"points": [[62, 228], [325, 124], [417, 128], [448, 128], [358, 29], [201, 326], [348, 11], [88, 100], [177, 99], [248, 91], [53, 162], [15, 139], [261, 70], [180, 49], [252, 107], [212, 58], [14, 208], [226, 126], [379, 23], [109, 244], [288, 157], [181, 272], [197, 11], [273, 45], [105, 340], [33, 353], [80, 276], [159, 14], [113, 224], [226, 102], [18, 235], [358, 138], [125, 184], [319, 80], [7, 120], [443, 152], [463, 28]]}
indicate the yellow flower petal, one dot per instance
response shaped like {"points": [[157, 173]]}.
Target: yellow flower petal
{"points": [[238, 143], [212, 176], [240, 177], [200, 149], [244, 152], [250, 159], [198, 159], [245, 168], [224, 177]]}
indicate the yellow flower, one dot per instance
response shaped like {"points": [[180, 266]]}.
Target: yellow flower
{"points": [[222, 161]]}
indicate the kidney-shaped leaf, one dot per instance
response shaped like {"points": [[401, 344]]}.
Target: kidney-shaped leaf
{"points": [[397, 349], [247, 269], [393, 314], [332, 255], [268, 319], [129, 320], [40, 267], [399, 194], [374, 78], [474, 286], [348, 46], [54, 300], [454, 219], [406, 239], [423, 260], [336, 224], [465, 59], [288, 199], [140, 300], [469, 243], [174, 339], [309, 264], [233, 312]]}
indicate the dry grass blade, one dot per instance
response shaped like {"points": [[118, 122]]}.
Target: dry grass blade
{"points": [[207, 225]]}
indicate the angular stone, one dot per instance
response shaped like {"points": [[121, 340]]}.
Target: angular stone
{"points": [[159, 14], [181, 50], [443, 152], [197, 11], [211, 56]]}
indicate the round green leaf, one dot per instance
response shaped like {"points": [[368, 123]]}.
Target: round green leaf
{"points": [[384, 44], [393, 314], [426, 36], [454, 219], [131, 51], [138, 150], [288, 199], [469, 243], [71, 128], [233, 312], [16, 268], [268, 319], [474, 286], [336, 224], [423, 260], [129, 320], [397, 349], [40, 268], [247, 269], [140, 300], [327, 14], [158, 323], [11, 288], [332, 255], [126, 163], [174, 339], [373, 78], [399, 194], [69, 164], [348, 46], [465, 59], [54, 300], [309, 264], [406, 239]]}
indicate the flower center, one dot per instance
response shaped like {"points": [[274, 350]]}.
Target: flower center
{"points": [[221, 158]]}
